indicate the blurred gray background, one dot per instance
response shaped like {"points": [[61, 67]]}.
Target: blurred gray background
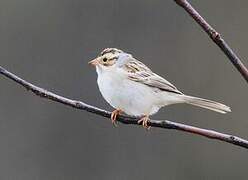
{"points": [[49, 44]]}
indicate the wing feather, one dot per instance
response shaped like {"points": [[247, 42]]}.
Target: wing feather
{"points": [[139, 72]]}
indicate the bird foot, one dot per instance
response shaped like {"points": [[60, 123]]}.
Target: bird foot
{"points": [[145, 120], [114, 115]]}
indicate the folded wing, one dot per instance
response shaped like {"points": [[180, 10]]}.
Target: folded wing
{"points": [[139, 72]]}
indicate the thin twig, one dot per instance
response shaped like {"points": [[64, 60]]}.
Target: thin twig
{"points": [[215, 36], [125, 119]]}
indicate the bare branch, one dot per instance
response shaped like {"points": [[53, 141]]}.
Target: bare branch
{"points": [[215, 36], [125, 119]]}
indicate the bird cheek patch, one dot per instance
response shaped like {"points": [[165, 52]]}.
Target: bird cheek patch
{"points": [[110, 62]]}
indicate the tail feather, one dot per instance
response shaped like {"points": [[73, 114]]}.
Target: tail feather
{"points": [[208, 104]]}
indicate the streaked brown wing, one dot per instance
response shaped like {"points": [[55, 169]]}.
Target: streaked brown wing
{"points": [[138, 72]]}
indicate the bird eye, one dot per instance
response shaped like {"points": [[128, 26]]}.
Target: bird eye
{"points": [[104, 59]]}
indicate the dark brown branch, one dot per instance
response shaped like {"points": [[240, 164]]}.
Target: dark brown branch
{"points": [[125, 119], [215, 36]]}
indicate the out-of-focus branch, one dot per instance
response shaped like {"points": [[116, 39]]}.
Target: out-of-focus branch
{"points": [[215, 36], [125, 119]]}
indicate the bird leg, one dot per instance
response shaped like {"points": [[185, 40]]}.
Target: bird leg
{"points": [[145, 120], [114, 115]]}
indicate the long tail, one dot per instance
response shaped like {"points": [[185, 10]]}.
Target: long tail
{"points": [[208, 104]]}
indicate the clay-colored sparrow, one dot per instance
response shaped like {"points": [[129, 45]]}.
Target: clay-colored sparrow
{"points": [[131, 87]]}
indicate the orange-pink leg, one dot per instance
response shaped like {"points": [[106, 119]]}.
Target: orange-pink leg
{"points": [[114, 115], [145, 120]]}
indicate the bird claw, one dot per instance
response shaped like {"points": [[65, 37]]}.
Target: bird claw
{"points": [[114, 115], [145, 120]]}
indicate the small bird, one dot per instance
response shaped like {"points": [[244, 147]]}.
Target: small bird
{"points": [[131, 87]]}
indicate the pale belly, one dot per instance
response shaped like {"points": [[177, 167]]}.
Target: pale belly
{"points": [[131, 97]]}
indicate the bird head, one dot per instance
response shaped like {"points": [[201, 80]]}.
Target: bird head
{"points": [[110, 58]]}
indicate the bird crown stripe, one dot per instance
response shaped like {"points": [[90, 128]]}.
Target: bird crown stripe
{"points": [[110, 50]]}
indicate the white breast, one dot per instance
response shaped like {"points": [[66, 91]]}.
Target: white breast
{"points": [[132, 97]]}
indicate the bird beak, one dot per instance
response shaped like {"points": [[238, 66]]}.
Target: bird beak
{"points": [[94, 62]]}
